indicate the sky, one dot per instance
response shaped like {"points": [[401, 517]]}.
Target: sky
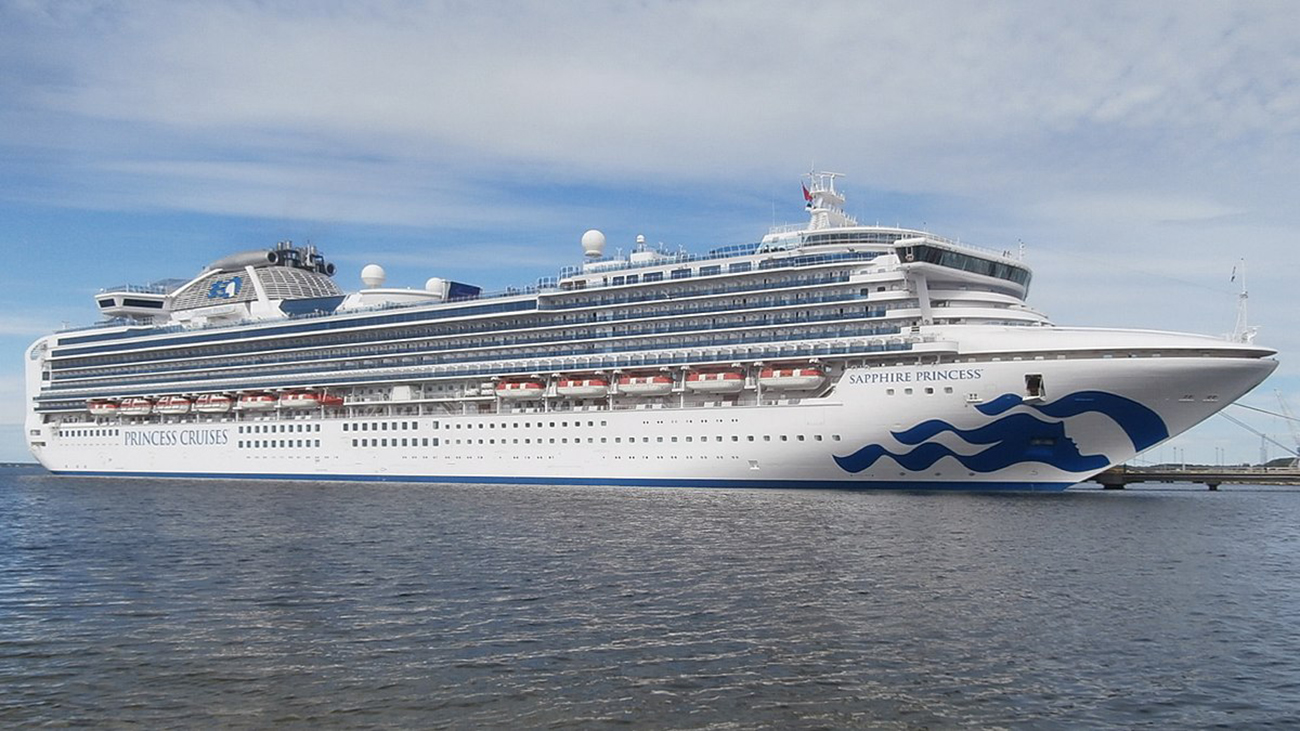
{"points": [[1138, 151]]}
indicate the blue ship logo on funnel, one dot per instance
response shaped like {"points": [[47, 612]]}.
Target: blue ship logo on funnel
{"points": [[224, 288]]}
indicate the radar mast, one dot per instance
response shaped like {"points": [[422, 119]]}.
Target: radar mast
{"points": [[825, 204]]}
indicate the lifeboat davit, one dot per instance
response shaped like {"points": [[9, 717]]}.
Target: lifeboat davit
{"points": [[521, 390], [795, 378], [582, 387], [645, 385], [300, 400], [715, 381], [257, 401], [101, 407], [173, 405], [138, 406], [213, 403]]}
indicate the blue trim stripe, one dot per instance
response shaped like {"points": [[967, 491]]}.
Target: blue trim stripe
{"points": [[966, 486]]}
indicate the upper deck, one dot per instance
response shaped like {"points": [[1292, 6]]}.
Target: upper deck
{"points": [[219, 300]]}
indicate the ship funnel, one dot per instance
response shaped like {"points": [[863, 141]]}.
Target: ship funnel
{"points": [[236, 262]]}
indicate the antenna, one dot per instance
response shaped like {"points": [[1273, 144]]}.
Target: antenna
{"points": [[1242, 332]]}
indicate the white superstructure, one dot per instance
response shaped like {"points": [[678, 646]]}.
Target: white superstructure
{"points": [[831, 354]]}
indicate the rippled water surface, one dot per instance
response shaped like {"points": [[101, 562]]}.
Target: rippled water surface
{"points": [[242, 604]]}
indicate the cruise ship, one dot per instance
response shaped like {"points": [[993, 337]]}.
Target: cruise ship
{"points": [[827, 354]]}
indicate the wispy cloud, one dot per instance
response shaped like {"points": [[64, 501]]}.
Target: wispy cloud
{"points": [[12, 399], [943, 97], [32, 325]]}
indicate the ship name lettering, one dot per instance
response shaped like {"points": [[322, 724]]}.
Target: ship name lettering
{"points": [[939, 374], [184, 438]]}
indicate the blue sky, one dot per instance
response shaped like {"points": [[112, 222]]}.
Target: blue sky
{"points": [[1137, 149]]}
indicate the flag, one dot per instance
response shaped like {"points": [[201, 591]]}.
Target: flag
{"points": [[806, 195]]}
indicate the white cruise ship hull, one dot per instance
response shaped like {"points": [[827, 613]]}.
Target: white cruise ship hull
{"points": [[953, 426]]}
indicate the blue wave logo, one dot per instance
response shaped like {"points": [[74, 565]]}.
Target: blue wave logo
{"points": [[1019, 437]]}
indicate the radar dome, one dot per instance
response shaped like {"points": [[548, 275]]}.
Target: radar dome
{"points": [[437, 285], [373, 275], [593, 243]]}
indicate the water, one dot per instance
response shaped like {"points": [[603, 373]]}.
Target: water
{"points": [[239, 604]]}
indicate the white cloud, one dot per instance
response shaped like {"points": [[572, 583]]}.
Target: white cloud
{"points": [[27, 325], [1116, 208], [12, 399], [922, 92]]}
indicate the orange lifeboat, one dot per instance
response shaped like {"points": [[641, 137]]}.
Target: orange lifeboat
{"points": [[257, 401], [527, 390], [330, 400], [300, 400], [138, 406], [173, 405], [101, 407], [658, 385], [792, 377], [213, 403], [715, 381], [595, 387]]}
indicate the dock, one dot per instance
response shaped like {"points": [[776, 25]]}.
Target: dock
{"points": [[1117, 478]]}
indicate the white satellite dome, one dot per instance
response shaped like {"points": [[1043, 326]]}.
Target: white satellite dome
{"points": [[435, 284], [593, 243], [373, 275]]}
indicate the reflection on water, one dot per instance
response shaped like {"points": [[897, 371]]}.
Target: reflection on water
{"points": [[246, 604]]}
